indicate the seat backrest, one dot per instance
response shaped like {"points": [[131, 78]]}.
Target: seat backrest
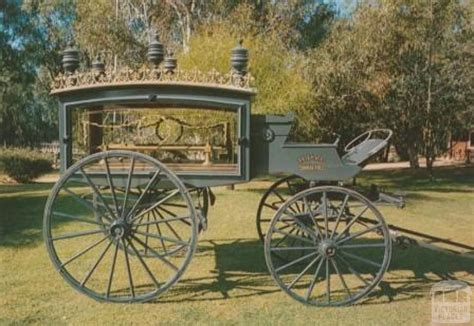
{"points": [[364, 151]]}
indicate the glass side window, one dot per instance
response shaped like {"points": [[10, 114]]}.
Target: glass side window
{"points": [[186, 138]]}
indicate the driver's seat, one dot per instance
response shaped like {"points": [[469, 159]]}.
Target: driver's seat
{"points": [[361, 153]]}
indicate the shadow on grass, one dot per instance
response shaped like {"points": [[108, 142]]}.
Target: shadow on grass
{"points": [[240, 271], [21, 214], [448, 178]]}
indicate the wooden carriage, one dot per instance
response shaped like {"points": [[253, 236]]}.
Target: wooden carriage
{"points": [[139, 151]]}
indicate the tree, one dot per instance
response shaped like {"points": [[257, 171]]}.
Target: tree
{"points": [[277, 69], [398, 64], [17, 74], [448, 51]]}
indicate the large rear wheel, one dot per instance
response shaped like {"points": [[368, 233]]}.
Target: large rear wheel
{"points": [[274, 197], [120, 226]]}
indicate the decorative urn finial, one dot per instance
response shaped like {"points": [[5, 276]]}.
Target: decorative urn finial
{"points": [[239, 59], [155, 51], [70, 59], [98, 66], [170, 63]]}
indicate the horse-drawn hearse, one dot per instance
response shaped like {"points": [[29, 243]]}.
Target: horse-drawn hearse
{"points": [[140, 150]]}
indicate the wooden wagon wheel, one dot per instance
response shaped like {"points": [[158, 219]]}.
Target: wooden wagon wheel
{"points": [[338, 260], [274, 197], [200, 199], [139, 205]]}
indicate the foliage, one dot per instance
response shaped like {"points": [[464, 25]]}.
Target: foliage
{"points": [[16, 71], [29, 57], [398, 65], [389, 63], [23, 165], [277, 69]]}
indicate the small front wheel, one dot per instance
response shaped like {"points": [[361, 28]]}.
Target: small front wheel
{"points": [[341, 252]]}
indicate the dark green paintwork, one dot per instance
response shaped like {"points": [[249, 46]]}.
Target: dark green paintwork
{"points": [[263, 142], [272, 154], [179, 94]]}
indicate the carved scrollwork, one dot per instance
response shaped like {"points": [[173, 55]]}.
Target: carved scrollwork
{"points": [[213, 78]]}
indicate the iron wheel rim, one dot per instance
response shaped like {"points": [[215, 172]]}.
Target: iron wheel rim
{"points": [[160, 287]]}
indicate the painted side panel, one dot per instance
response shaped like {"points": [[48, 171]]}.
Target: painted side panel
{"points": [[272, 154]]}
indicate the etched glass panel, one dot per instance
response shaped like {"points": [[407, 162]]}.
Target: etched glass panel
{"points": [[186, 138]]}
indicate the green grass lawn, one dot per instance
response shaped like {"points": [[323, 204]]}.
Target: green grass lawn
{"points": [[227, 281]]}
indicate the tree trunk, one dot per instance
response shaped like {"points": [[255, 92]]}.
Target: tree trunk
{"points": [[428, 140], [413, 156], [429, 165]]}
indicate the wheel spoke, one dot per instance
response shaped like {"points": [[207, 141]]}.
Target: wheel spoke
{"points": [[286, 236], [112, 269], [72, 217], [352, 270], [361, 259], [129, 272], [111, 185], [269, 206], [147, 231], [162, 238], [171, 213], [326, 222], [85, 203], [363, 245], [142, 195], [158, 203], [127, 189], [302, 226], [354, 219], [358, 234], [328, 282], [76, 234], [283, 200], [164, 220], [167, 224], [293, 248], [298, 209], [300, 275], [157, 255], [343, 206], [93, 268], [341, 277], [97, 192], [159, 233], [295, 261], [313, 282], [293, 236], [145, 266], [82, 252], [313, 219], [175, 205]]}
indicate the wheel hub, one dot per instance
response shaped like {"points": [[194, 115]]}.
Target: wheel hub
{"points": [[327, 248], [119, 229]]}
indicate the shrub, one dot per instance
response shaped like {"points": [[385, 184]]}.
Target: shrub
{"points": [[23, 165]]}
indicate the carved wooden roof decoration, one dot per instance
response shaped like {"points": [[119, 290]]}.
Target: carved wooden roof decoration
{"points": [[167, 74]]}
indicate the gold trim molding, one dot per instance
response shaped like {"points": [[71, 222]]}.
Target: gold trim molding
{"points": [[93, 79]]}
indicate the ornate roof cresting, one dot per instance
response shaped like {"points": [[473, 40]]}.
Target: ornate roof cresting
{"points": [[167, 73], [81, 80]]}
